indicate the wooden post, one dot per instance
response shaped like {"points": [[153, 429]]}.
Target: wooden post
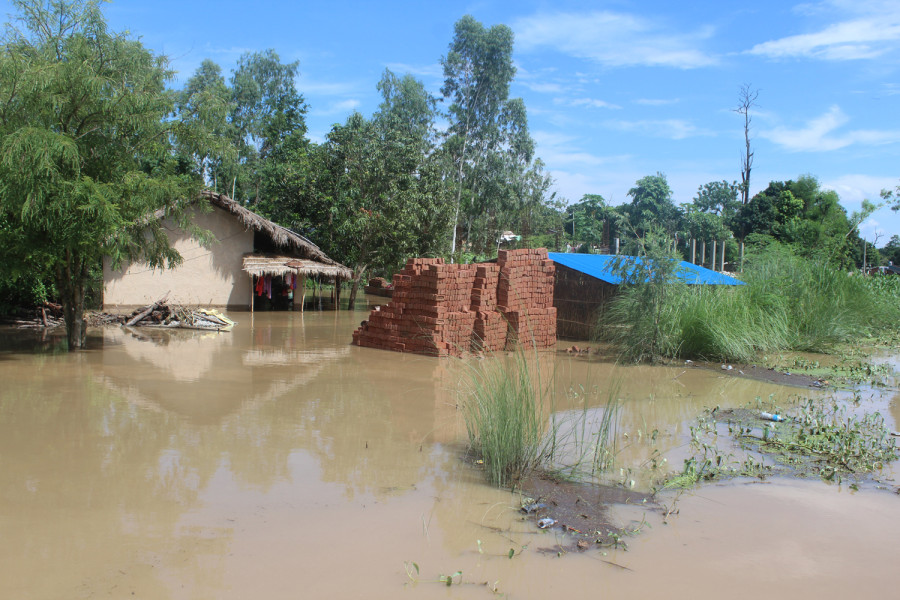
{"points": [[617, 246], [742, 257], [252, 293], [302, 285], [722, 259], [693, 252], [713, 262], [703, 254]]}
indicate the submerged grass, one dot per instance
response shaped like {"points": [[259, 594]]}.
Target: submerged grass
{"points": [[515, 427], [504, 415], [817, 438]]}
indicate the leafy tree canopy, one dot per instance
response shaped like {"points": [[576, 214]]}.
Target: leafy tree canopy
{"points": [[85, 153], [651, 205]]}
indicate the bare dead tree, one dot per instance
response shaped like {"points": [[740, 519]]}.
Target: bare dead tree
{"points": [[746, 100]]}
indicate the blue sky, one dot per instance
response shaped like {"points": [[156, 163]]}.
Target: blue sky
{"points": [[615, 90]]}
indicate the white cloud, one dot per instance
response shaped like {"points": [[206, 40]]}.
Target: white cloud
{"points": [[656, 101], [543, 88], [575, 171], [869, 30], [820, 134], [551, 138], [342, 107], [326, 88], [588, 102], [431, 71], [673, 129], [613, 39], [854, 188]]}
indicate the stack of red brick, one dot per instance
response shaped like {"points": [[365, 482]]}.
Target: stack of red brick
{"points": [[525, 296], [445, 310], [490, 326]]}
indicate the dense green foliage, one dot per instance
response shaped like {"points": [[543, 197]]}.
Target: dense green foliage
{"points": [[85, 155], [789, 303], [640, 320]]}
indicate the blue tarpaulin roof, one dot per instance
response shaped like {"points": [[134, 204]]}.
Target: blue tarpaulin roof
{"points": [[600, 266]]}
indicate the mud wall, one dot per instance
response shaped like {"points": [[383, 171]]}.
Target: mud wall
{"points": [[443, 309]]}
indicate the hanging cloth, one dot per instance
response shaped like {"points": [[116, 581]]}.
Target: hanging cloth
{"points": [[260, 285]]}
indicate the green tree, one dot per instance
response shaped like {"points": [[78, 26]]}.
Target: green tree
{"points": [[266, 110], [892, 197], [719, 198], [592, 220], [651, 205], [891, 250], [487, 142], [383, 200], [85, 153], [204, 106], [809, 219]]}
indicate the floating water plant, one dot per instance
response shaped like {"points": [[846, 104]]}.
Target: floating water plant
{"points": [[817, 438]]}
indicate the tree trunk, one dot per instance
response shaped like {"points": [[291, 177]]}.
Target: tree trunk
{"points": [[357, 276], [70, 279], [351, 301]]}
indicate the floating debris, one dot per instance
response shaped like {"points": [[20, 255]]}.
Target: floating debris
{"points": [[533, 507]]}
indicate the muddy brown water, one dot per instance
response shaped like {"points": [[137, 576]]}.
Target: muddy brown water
{"points": [[278, 461]]}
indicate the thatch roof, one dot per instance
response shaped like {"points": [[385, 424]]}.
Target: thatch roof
{"points": [[263, 264], [282, 237]]}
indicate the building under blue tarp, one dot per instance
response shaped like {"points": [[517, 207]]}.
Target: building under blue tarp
{"points": [[584, 282], [600, 266]]}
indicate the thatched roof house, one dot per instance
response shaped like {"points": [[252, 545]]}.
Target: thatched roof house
{"points": [[223, 273]]}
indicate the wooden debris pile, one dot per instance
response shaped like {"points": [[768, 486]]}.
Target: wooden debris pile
{"points": [[46, 315], [160, 314], [442, 309]]}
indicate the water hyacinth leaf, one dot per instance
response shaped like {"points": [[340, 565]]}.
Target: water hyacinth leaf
{"points": [[512, 552]]}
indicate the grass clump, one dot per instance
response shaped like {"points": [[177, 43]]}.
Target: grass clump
{"points": [[515, 428], [504, 414]]}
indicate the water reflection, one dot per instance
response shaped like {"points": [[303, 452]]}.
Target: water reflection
{"points": [[184, 465]]}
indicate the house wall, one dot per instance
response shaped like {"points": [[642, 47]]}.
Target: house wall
{"points": [[579, 301], [210, 275]]}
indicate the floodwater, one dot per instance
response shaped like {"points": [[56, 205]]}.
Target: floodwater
{"points": [[278, 461]]}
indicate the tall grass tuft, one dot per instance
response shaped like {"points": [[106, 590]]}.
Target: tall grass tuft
{"points": [[515, 427], [789, 303], [504, 412]]}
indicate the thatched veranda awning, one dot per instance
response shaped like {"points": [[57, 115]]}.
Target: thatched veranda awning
{"points": [[258, 264]]}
